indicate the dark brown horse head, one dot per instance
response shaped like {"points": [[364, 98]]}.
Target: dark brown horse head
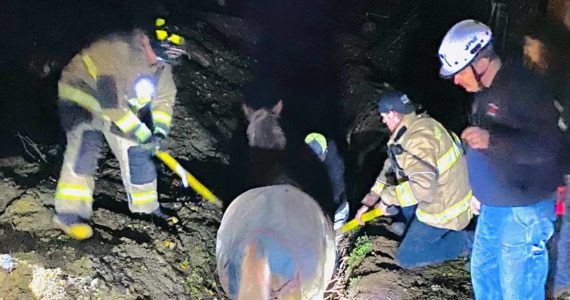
{"points": [[264, 130]]}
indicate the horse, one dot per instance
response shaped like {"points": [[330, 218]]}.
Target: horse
{"points": [[275, 240]]}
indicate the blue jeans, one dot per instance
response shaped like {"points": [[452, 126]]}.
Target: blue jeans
{"points": [[425, 245], [509, 258]]}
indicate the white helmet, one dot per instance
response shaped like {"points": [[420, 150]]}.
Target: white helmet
{"points": [[461, 44]]}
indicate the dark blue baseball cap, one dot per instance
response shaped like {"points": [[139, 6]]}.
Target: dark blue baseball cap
{"points": [[397, 101]]}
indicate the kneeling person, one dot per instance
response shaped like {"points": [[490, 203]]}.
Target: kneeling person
{"points": [[432, 182]]}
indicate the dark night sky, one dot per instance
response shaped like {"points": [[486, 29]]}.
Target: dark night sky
{"points": [[295, 54]]}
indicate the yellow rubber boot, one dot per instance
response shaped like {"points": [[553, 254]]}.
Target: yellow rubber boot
{"points": [[79, 231]]}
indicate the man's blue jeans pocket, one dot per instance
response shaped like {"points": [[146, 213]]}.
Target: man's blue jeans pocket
{"points": [[509, 258], [527, 227]]}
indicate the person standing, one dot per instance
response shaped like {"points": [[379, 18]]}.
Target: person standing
{"points": [[513, 161]]}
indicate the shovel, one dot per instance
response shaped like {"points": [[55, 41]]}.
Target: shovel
{"points": [[187, 178]]}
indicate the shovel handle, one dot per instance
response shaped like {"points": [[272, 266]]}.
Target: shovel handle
{"points": [[366, 217], [196, 185]]}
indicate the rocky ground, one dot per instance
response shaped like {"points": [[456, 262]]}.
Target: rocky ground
{"points": [[137, 257], [369, 271], [132, 256]]}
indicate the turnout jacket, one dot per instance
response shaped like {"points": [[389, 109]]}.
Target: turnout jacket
{"points": [[431, 172], [102, 80]]}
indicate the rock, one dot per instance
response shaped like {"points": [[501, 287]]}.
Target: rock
{"points": [[108, 219], [235, 29], [9, 192], [369, 30], [81, 267], [7, 263], [15, 285], [27, 214], [19, 166]]}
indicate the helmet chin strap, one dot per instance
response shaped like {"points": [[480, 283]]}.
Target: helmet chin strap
{"points": [[478, 76]]}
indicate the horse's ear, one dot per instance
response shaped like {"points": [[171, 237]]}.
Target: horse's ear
{"points": [[278, 107], [247, 111]]}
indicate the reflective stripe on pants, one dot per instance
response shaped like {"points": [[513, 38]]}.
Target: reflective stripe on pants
{"points": [[69, 178]]}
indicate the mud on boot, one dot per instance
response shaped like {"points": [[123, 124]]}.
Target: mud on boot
{"points": [[397, 228], [73, 225], [169, 219]]}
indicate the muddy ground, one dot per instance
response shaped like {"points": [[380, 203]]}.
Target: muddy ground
{"points": [[134, 257], [137, 257]]}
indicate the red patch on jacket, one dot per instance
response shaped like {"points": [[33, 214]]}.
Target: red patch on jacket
{"points": [[492, 109]]}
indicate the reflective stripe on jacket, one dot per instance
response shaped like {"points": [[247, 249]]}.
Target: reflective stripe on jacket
{"points": [[441, 192], [121, 59]]}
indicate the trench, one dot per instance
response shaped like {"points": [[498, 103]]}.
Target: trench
{"points": [[324, 59]]}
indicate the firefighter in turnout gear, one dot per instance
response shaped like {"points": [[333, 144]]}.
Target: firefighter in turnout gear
{"points": [[432, 183], [117, 90]]}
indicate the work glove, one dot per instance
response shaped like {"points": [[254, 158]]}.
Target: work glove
{"points": [[155, 143], [142, 134], [159, 139], [383, 207], [368, 201]]}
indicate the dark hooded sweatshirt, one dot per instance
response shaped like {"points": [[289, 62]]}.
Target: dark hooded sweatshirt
{"points": [[523, 163]]}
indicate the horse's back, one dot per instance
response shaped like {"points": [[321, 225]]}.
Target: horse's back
{"points": [[289, 228]]}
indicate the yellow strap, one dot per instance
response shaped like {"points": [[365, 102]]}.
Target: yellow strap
{"points": [[173, 165], [90, 65], [447, 215], [404, 195]]}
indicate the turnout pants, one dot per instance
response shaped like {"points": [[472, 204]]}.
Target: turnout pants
{"points": [[74, 192]]}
